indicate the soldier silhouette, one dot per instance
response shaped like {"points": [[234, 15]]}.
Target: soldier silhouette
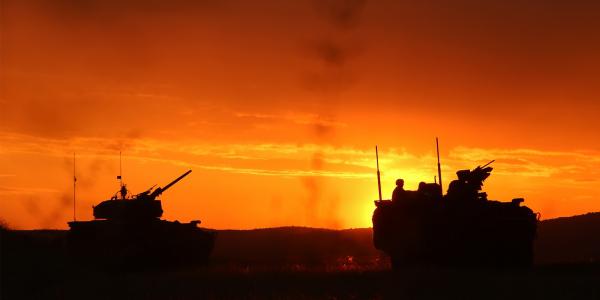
{"points": [[399, 191]]}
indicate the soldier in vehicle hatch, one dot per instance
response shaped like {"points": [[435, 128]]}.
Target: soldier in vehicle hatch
{"points": [[399, 191]]}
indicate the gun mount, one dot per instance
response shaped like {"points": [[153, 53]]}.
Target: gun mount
{"points": [[141, 206], [151, 195]]}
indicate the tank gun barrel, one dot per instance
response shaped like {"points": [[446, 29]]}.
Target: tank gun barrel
{"points": [[176, 180], [160, 190], [489, 163]]}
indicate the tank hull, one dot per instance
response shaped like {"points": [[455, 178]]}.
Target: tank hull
{"points": [[139, 243], [439, 233]]}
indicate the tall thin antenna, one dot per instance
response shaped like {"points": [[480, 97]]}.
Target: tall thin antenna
{"points": [[378, 174], [74, 187], [120, 170], [437, 146]]}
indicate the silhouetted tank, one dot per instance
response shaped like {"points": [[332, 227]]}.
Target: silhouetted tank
{"points": [[128, 232], [461, 228]]}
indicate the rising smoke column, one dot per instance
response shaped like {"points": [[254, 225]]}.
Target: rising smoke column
{"points": [[328, 81]]}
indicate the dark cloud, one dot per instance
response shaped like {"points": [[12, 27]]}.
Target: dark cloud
{"points": [[331, 53], [125, 141], [75, 68], [102, 11], [343, 14]]}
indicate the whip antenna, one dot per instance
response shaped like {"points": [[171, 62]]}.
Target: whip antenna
{"points": [[74, 186], [120, 177], [437, 146], [378, 174]]}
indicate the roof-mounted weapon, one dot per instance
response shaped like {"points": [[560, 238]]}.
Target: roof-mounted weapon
{"points": [[378, 173]]}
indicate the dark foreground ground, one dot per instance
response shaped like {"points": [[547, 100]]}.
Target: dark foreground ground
{"points": [[566, 282], [304, 263], [216, 282]]}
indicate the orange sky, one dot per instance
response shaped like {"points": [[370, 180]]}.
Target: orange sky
{"points": [[277, 105]]}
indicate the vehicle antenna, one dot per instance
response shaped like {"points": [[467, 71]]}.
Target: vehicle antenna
{"points": [[120, 170], [437, 146], [378, 173], [74, 186], [123, 188]]}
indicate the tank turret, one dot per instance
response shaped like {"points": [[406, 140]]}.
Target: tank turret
{"points": [[128, 232], [141, 206]]}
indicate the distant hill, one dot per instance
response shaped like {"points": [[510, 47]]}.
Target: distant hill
{"points": [[573, 239], [295, 245], [569, 239]]}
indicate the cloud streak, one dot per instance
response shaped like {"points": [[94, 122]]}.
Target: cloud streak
{"points": [[9, 190], [271, 159], [299, 119], [318, 172]]}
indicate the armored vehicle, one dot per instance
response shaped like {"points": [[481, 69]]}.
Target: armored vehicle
{"points": [[459, 229], [129, 232]]}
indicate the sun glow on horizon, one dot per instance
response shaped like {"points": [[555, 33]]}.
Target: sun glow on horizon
{"points": [[274, 184]]}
